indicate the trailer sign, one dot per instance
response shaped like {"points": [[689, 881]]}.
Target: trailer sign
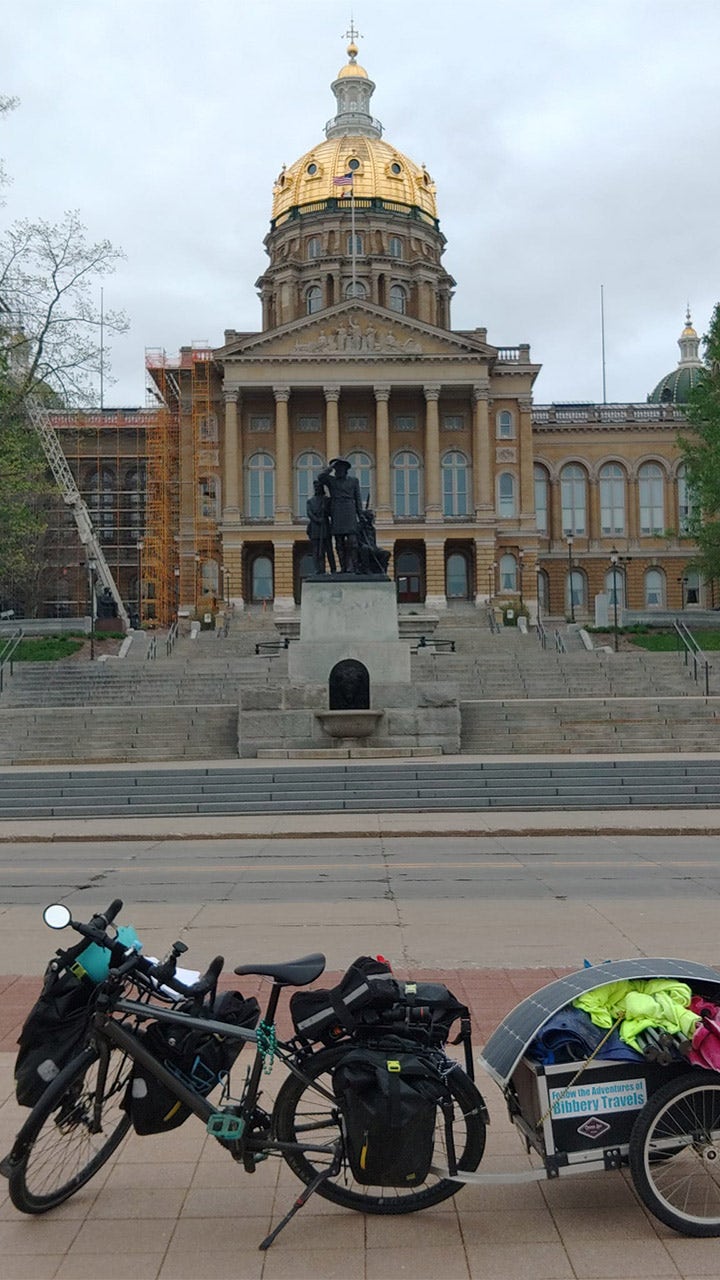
{"points": [[594, 1099]]}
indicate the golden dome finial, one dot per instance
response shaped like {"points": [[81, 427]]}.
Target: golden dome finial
{"points": [[352, 34]]}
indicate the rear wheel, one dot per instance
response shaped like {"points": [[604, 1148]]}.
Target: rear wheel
{"points": [[675, 1154], [67, 1138], [307, 1112]]}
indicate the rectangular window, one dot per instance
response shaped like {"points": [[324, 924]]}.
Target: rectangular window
{"points": [[453, 422], [308, 422], [357, 422], [260, 422], [405, 422]]}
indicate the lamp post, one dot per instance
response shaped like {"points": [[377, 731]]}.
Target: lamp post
{"points": [[140, 548], [491, 581], [570, 576], [538, 577], [614, 563], [521, 557], [226, 584], [92, 569]]}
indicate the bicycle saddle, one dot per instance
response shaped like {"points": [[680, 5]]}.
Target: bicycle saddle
{"points": [[295, 973]]}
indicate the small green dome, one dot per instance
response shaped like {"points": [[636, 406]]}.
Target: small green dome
{"points": [[675, 387]]}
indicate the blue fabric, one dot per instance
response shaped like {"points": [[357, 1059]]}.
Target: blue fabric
{"points": [[570, 1036]]}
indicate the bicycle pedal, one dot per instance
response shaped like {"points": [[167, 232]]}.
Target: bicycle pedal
{"points": [[225, 1125]]}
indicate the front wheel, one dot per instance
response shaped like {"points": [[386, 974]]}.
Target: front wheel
{"points": [[70, 1132], [306, 1112], [675, 1154]]}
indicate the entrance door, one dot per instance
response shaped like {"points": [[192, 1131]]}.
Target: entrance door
{"points": [[409, 577]]}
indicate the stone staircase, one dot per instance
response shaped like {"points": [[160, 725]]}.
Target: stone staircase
{"points": [[515, 697]]}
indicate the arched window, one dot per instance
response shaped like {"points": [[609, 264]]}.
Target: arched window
{"points": [[358, 244], [101, 486], [313, 247], [542, 499], [654, 589], [456, 576], [356, 289], [615, 583], [573, 499], [651, 491], [508, 572], [306, 469], [543, 590], [313, 299], [361, 464], [612, 500], [506, 495], [260, 487], [406, 484], [505, 425], [684, 500], [455, 484], [262, 578], [397, 298], [395, 247]]}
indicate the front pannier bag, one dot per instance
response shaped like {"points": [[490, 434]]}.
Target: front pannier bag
{"points": [[327, 1015], [199, 1058], [389, 1104], [56, 1026]]}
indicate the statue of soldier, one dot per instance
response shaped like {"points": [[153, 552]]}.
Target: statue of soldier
{"points": [[373, 559], [317, 510], [345, 511]]}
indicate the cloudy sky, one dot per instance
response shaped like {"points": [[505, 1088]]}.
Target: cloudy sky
{"points": [[574, 144]]}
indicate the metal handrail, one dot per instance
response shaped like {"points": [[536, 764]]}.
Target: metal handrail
{"points": [[560, 643], [692, 652], [152, 648], [492, 620], [541, 634], [7, 653], [172, 636]]}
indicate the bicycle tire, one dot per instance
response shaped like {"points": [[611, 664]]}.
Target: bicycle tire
{"points": [[675, 1154], [55, 1153], [301, 1113]]}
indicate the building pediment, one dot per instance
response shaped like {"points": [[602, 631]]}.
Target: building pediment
{"points": [[354, 329]]}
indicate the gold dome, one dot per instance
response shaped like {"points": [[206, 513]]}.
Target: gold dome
{"points": [[352, 69], [381, 172]]}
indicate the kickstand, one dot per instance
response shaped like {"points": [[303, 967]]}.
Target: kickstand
{"points": [[332, 1169]]}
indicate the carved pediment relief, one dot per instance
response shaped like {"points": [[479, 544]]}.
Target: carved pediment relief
{"points": [[358, 337]]}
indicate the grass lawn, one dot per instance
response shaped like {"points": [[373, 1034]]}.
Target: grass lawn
{"points": [[46, 648], [667, 642]]}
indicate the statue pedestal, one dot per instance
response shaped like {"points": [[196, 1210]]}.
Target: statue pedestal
{"points": [[343, 617]]}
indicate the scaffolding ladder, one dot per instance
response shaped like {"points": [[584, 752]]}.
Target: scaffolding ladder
{"points": [[162, 442]]}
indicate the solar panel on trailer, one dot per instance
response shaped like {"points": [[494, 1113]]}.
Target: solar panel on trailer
{"points": [[508, 1043]]}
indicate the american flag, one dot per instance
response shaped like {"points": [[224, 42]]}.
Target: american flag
{"points": [[344, 180]]}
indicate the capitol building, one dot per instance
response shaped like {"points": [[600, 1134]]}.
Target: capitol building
{"points": [[479, 493]]}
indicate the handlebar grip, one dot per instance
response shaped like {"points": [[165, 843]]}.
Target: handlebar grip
{"points": [[114, 909]]}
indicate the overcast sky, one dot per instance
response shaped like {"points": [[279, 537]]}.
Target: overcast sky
{"points": [[574, 144]]}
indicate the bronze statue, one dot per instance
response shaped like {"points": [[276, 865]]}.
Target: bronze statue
{"points": [[373, 559], [317, 510], [345, 511]]}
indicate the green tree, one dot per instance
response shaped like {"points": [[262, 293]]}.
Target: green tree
{"points": [[25, 493], [701, 452]]}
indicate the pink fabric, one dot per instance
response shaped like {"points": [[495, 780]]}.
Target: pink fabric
{"points": [[705, 1050]]}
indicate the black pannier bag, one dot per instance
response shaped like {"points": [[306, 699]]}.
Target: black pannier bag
{"points": [[56, 1027], [329, 1014], [389, 1103], [199, 1058]]}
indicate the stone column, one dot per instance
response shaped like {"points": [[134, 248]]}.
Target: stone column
{"points": [[383, 504], [283, 497], [433, 500], [594, 530], [232, 458], [482, 454], [283, 595], [633, 507], [526, 505], [332, 422], [555, 530], [435, 597]]}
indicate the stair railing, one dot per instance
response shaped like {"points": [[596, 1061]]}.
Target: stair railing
{"points": [[171, 639], [692, 653], [7, 653], [560, 645], [152, 648], [541, 634]]}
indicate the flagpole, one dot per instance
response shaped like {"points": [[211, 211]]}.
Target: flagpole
{"points": [[352, 232]]}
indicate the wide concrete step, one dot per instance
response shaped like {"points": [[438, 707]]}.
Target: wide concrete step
{"points": [[454, 786]]}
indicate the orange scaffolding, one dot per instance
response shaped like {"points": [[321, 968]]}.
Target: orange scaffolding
{"points": [[158, 554]]}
